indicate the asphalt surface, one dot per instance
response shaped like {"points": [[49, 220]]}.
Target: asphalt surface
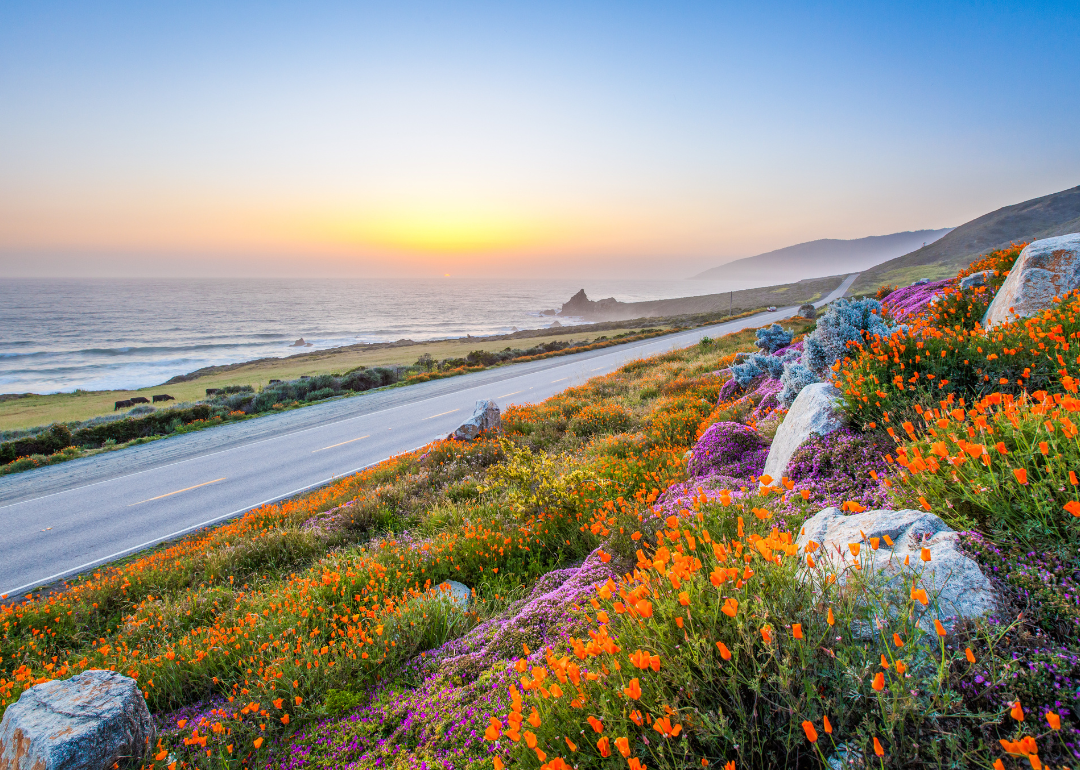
{"points": [[61, 520]]}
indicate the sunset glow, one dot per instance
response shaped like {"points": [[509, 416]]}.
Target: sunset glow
{"points": [[368, 137]]}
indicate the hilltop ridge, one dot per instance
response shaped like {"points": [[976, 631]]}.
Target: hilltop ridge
{"points": [[825, 256], [1044, 217]]}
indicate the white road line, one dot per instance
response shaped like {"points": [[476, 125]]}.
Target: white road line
{"points": [[343, 443], [170, 494]]}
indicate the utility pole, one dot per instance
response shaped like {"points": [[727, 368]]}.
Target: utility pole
{"points": [[731, 304]]}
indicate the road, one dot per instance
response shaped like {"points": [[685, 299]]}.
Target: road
{"points": [[63, 519]]}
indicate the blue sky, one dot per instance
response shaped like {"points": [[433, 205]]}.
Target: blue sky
{"points": [[364, 138]]}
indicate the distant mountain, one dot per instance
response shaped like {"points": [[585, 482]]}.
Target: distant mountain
{"points": [[1045, 217], [827, 256]]}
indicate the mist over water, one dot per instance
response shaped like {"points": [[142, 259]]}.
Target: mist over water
{"points": [[63, 335]]}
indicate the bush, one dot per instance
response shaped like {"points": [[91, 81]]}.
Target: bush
{"points": [[318, 395], [772, 338], [601, 418], [49, 441], [845, 324], [966, 307], [729, 449], [918, 365], [841, 466], [1005, 466], [913, 300]]}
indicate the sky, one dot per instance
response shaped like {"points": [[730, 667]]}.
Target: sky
{"points": [[514, 139]]}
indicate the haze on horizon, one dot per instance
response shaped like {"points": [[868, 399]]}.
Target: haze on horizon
{"points": [[422, 138]]}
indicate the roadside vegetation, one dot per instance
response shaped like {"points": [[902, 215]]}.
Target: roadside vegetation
{"points": [[638, 596], [22, 450]]}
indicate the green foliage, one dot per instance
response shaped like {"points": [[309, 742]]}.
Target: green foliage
{"points": [[600, 418], [1004, 466]]}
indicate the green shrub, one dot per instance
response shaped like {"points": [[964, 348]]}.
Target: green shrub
{"points": [[917, 367], [600, 418], [1004, 466]]}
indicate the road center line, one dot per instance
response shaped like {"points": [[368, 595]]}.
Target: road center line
{"points": [[343, 443], [598, 368], [504, 395], [440, 414], [170, 494], [559, 380]]}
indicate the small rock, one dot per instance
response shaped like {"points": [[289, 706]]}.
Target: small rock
{"points": [[807, 311], [89, 722], [486, 418], [1045, 269], [812, 411], [954, 580], [975, 279], [845, 758], [459, 593]]}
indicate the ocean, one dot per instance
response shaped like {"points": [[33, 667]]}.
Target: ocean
{"points": [[67, 334]]}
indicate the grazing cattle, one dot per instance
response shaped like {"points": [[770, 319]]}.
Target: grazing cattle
{"points": [[211, 391], [140, 400], [122, 405], [163, 397], [274, 382]]}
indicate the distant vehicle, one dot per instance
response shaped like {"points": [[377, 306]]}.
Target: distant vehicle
{"points": [[771, 308]]}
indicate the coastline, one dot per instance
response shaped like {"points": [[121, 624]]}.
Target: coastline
{"points": [[604, 318]]}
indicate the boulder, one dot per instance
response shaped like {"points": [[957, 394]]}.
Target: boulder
{"points": [[812, 411], [1045, 269], [975, 279], [89, 722], [955, 584], [486, 418], [807, 311]]}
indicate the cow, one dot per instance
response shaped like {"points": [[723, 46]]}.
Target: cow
{"points": [[122, 405], [163, 397], [140, 400], [211, 391], [274, 382]]}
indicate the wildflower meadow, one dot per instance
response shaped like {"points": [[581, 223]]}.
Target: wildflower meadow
{"points": [[641, 595]]}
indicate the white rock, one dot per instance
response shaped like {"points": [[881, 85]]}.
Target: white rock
{"points": [[486, 417], [812, 411], [1045, 269], [955, 584], [458, 593], [89, 722], [975, 279]]}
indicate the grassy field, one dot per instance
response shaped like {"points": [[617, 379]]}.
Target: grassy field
{"points": [[33, 410]]}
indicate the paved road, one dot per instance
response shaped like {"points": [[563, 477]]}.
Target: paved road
{"points": [[60, 520]]}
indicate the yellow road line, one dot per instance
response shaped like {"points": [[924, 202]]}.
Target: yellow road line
{"points": [[343, 443], [504, 395], [560, 379], [170, 494], [440, 414]]}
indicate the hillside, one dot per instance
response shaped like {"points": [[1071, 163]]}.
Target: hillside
{"points": [[727, 303], [1044, 217], [825, 256]]}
